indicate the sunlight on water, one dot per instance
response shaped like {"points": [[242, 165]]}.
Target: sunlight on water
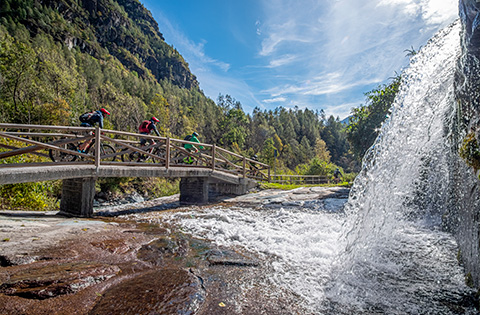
{"points": [[385, 253], [396, 259], [303, 243]]}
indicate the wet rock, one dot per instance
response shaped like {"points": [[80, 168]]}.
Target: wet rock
{"points": [[53, 280], [155, 251], [13, 260], [229, 258], [115, 246], [167, 291]]}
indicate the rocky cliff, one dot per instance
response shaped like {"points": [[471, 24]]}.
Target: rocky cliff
{"points": [[464, 216], [122, 28]]}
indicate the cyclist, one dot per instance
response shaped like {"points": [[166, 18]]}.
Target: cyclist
{"points": [[190, 147], [146, 128], [89, 120], [337, 175], [254, 166]]}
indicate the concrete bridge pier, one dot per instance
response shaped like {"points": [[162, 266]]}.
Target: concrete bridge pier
{"points": [[200, 190], [194, 190], [77, 197]]}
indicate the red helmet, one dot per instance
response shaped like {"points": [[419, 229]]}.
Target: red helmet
{"points": [[154, 119], [103, 110]]}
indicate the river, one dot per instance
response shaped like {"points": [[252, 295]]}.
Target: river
{"points": [[384, 251]]}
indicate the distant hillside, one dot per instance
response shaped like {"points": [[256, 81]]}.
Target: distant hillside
{"points": [[61, 58], [100, 53], [122, 28]]}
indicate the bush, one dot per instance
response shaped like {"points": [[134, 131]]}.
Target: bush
{"points": [[153, 187], [30, 196], [470, 151]]}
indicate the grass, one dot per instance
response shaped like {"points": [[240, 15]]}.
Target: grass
{"points": [[293, 186]]}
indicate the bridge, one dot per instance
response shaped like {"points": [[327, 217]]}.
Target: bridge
{"points": [[31, 153]]}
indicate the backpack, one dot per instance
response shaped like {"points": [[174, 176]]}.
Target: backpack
{"points": [[144, 126], [85, 117], [187, 138]]}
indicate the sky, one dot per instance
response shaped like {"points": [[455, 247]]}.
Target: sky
{"points": [[315, 54]]}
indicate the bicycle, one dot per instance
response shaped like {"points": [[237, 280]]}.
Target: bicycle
{"points": [[59, 156], [136, 156]]}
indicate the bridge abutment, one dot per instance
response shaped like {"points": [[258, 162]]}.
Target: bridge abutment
{"points": [[194, 190], [77, 197], [199, 190]]}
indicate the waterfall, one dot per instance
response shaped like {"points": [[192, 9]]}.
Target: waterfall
{"points": [[383, 252], [397, 201], [406, 170]]}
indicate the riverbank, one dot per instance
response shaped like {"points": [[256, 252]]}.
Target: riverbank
{"points": [[121, 262]]}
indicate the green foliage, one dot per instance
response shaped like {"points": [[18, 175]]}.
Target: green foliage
{"points": [[33, 196], [154, 187], [30, 196], [60, 59], [317, 167], [470, 151], [268, 151], [366, 120]]}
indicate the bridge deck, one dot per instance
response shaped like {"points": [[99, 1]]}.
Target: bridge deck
{"points": [[14, 175]]}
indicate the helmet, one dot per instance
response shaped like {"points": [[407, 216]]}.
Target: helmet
{"points": [[195, 134], [154, 119], [104, 111]]}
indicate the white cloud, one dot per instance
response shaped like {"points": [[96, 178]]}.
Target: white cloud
{"points": [[318, 53], [340, 110], [274, 100], [331, 83], [355, 44], [282, 61], [280, 33], [431, 11]]}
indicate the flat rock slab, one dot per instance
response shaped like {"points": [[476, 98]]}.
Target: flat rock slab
{"points": [[23, 233], [274, 196]]}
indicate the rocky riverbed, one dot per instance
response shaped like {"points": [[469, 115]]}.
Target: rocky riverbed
{"points": [[120, 262]]}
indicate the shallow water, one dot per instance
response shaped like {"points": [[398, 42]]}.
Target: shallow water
{"points": [[384, 252], [417, 273]]}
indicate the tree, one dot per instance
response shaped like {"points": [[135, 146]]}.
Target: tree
{"points": [[321, 151], [366, 120], [234, 124], [268, 152], [161, 110]]}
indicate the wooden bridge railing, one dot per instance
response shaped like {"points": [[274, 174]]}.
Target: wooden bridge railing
{"points": [[300, 179], [33, 145]]}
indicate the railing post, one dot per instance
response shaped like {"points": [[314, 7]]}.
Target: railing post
{"points": [[97, 147], [167, 153], [244, 167], [269, 179], [213, 156]]}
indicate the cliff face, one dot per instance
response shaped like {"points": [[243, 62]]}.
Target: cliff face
{"points": [[125, 29], [464, 216]]}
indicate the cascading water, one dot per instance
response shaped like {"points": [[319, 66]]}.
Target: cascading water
{"points": [[396, 259], [386, 252], [393, 241]]}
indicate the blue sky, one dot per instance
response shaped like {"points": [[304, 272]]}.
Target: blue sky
{"points": [[322, 54]]}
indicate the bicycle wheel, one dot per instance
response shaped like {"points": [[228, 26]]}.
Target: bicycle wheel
{"points": [[162, 153], [59, 156], [131, 157], [105, 149]]}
